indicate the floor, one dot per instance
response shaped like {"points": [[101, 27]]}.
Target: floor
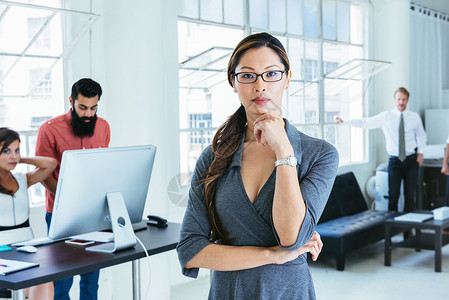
{"points": [[411, 276]]}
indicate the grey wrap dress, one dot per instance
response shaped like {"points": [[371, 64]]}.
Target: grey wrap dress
{"points": [[251, 224]]}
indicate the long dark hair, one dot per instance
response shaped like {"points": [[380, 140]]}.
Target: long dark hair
{"points": [[229, 136], [7, 136]]}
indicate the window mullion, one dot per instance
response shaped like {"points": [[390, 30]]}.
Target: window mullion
{"points": [[246, 21], [268, 15], [321, 102], [5, 11]]}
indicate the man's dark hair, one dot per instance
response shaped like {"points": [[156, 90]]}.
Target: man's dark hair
{"points": [[86, 87]]}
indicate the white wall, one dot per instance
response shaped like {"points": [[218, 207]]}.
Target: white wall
{"points": [[133, 55], [136, 64], [391, 43]]}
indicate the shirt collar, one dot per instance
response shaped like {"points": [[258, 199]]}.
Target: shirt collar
{"points": [[293, 136], [68, 117], [398, 112]]}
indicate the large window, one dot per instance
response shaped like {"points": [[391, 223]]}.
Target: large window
{"points": [[29, 90], [205, 96], [200, 121], [328, 62], [32, 47]]}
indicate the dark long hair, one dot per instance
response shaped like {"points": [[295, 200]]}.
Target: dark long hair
{"points": [[229, 136], [7, 136]]}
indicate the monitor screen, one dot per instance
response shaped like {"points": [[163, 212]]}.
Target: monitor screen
{"points": [[87, 176]]}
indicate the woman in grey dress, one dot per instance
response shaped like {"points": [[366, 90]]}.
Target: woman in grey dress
{"points": [[259, 190]]}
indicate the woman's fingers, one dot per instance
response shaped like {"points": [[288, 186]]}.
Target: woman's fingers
{"points": [[268, 129], [320, 242], [314, 246]]}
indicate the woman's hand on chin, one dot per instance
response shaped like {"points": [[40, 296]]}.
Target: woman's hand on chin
{"points": [[270, 130]]}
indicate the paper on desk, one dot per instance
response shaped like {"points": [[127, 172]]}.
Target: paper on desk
{"points": [[414, 217], [8, 266], [96, 236]]}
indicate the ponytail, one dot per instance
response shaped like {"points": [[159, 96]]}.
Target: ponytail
{"points": [[225, 143]]}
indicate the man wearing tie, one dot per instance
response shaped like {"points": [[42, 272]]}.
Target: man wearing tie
{"points": [[405, 140]]}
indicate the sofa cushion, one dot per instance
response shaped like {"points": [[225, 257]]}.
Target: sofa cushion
{"points": [[353, 232], [354, 223]]}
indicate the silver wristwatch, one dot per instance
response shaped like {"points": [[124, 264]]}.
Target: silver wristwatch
{"points": [[291, 160]]}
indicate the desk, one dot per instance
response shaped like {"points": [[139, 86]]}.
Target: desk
{"points": [[431, 190], [59, 260], [426, 241]]}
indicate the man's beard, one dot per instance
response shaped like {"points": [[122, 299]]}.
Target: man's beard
{"points": [[82, 128]]}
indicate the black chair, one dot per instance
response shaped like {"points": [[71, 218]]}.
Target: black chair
{"points": [[346, 223]]}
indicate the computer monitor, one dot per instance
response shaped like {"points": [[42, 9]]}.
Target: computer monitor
{"points": [[102, 188]]}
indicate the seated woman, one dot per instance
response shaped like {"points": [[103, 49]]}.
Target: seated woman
{"points": [[14, 203]]}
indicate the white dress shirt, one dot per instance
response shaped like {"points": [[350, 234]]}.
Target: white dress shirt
{"points": [[447, 141], [415, 136]]}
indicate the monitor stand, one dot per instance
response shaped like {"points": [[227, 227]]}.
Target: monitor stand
{"points": [[121, 226]]}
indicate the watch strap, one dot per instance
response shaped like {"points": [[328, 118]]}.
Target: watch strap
{"points": [[290, 160]]}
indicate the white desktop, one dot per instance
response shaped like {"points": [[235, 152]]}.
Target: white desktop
{"points": [[101, 189]]}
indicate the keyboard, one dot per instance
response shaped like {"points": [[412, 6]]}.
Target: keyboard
{"points": [[35, 242]]}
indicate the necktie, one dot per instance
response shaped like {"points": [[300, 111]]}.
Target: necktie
{"points": [[401, 155]]}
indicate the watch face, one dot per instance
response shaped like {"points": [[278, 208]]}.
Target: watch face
{"points": [[292, 161]]}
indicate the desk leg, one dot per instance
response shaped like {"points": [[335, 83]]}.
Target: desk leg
{"points": [[420, 189], [438, 246], [387, 246], [18, 295], [136, 279]]}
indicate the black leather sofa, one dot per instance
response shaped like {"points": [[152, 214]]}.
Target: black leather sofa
{"points": [[346, 223]]}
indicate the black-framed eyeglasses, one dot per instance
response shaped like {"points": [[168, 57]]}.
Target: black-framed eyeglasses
{"points": [[268, 76]]}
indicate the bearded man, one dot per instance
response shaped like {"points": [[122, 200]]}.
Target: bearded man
{"points": [[79, 128]]}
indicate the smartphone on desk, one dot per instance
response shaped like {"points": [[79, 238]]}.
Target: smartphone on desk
{"points": [[79, 242]]}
